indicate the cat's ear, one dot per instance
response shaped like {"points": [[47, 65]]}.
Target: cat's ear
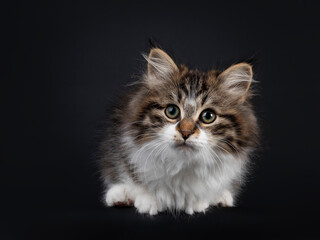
{"points": [[237, 80], [160, 66]]}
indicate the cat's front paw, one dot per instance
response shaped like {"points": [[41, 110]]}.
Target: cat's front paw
{"points": [[145, 203], [226, 200], [198, 206], [117, 196]]}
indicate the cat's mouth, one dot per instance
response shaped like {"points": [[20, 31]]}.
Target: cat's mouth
{"points": [[185, 146]]}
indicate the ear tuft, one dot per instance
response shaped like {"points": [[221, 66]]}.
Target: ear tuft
{"points": [[237, 79], [160, 65]]}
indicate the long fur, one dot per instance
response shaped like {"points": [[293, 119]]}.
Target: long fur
{"points": [[143, 163]]}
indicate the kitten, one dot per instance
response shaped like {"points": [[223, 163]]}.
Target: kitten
{"points": [[181, 139]]}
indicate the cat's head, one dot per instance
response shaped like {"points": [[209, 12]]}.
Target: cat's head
{"points": [[190, 110]]}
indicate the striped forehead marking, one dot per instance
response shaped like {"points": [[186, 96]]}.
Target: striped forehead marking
{"points": [[190, 107]]}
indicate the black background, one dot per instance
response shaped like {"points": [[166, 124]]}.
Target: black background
{"points": [[65, 62]]}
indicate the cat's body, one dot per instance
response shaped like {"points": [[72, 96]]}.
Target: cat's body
{"points": [[181, 140]]}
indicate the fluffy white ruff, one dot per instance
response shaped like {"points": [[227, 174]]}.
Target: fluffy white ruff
{"points": [[188, 179]]}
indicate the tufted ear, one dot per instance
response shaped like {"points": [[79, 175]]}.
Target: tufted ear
{"points": [[160, 66], [237, 80]]}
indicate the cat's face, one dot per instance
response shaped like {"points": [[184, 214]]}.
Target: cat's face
{"points": [[191, 111]]}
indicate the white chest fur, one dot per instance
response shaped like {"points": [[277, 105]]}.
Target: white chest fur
{"points": [[171, 179], [180, 179]]}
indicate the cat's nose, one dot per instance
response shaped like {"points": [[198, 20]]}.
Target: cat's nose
{"points": [[186, 127], [185, 134]]}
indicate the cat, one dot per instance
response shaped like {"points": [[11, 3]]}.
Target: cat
{"points": [[181, 139]]}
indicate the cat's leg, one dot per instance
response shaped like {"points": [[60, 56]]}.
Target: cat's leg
{"points": [[118, 195], [132, 194], [197, 206], [145, 202], [226, 199]]}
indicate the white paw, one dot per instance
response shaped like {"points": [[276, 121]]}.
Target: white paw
{"points": [[226, 199], [117, 196], [145, 203], [198, 206]]}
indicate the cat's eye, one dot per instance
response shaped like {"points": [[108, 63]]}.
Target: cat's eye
{"points": [[207, 116], [172, 111]]}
